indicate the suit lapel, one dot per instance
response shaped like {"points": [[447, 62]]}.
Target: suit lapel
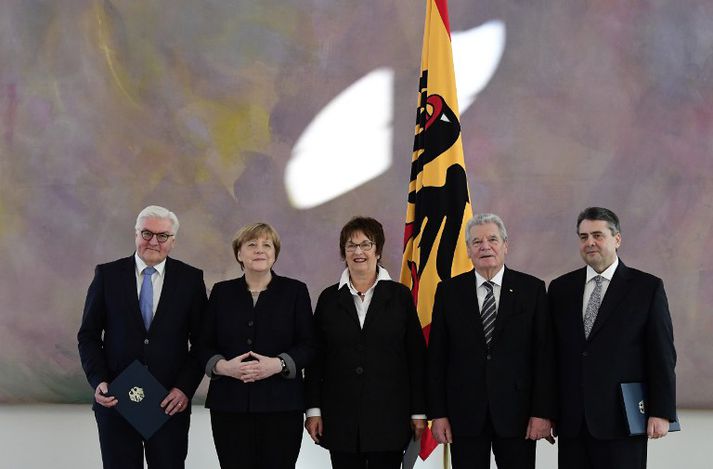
{"points": [[378, 303], [346, 301], [468, 297], [575, 302], [506, 305], [616, 291], [131, 295], [167, 291], [577, 291]]}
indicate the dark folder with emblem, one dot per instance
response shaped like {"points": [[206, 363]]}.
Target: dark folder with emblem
{"points": [[140, 395], [634, 399]]}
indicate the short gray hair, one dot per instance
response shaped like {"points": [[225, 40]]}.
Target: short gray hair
{"points": [[483, 219], [156, 211]]}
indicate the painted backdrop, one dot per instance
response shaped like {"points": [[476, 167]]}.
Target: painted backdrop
{"points": [[301, 113]]}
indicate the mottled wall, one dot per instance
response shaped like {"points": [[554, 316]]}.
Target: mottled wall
{"points": [[106, 107]]}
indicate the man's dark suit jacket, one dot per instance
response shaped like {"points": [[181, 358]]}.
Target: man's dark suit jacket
{"points": [[112, 333], [514, 380], [631, 340], [280, 322], [367, 382]]}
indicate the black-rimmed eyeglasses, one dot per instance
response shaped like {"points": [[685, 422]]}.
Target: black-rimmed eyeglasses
{"points": [[160, 237]]}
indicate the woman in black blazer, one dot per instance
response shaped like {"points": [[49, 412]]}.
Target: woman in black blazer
{"points": [[365, 389], [258, 337]]}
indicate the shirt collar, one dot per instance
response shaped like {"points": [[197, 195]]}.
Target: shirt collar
{"points": [[497, 278], [141, 265], [381, 274], [607, 274]]}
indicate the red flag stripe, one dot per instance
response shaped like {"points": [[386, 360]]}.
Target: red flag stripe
{"points": [[442, 6]]}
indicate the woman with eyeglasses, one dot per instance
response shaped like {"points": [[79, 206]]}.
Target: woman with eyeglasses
{"points": [[258, 336], [365, 389]]}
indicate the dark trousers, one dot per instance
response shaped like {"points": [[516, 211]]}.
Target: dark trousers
{"points": [[269, 440], [368, 460], [510, 453], [122, 447], [586, 452]]}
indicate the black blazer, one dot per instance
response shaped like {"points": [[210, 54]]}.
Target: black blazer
{"points": [[368, 381], [631, 340], [514, 380], [112, 333], [280, 322]]}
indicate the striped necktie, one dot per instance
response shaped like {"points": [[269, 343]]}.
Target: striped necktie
{"points": [[488, 313]]}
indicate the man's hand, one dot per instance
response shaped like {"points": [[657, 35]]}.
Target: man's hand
{"points": [[314, 428], [538, 428], [175, 402], [261, 368], [441, 430], [657, 427], [418, 426], [100, 395]]}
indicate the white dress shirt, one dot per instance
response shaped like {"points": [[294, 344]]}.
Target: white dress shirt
{"points": [[482, 290], [156, 279], [361, 303], [590, 283]]}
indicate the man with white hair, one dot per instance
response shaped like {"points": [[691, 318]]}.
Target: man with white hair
{"points": [[146, 307], [490, 357]]}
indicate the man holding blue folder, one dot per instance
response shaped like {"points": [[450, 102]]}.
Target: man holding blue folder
{"points": [[147, 308], [612, 326]]}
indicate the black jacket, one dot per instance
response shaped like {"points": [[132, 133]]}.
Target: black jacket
{"points": [[367, 382], [514, 380], [280, 322], [112, 333], [631, 340]]}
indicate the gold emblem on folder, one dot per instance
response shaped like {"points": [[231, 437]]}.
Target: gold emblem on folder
{"points": [[136, 394]]}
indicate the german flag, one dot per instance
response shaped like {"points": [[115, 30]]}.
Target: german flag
{"points": [[438, 200]]}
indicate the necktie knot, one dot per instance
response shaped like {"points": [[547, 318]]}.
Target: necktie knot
{"points": [[488, 313], [146, 297], [595, 300]]}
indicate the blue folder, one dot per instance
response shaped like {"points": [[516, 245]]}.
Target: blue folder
{"points": [[140, 394], [635, 407]]}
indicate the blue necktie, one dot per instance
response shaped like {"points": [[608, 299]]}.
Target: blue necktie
{"points": [[146, 297]]}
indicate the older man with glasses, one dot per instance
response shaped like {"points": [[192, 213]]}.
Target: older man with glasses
{"points": [[146, 307]]}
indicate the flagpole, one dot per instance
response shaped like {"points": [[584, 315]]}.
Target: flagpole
{"points": [[438, 202]]}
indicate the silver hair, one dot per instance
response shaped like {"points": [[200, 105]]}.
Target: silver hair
{"points": [[482, 219], [156, 211]]}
